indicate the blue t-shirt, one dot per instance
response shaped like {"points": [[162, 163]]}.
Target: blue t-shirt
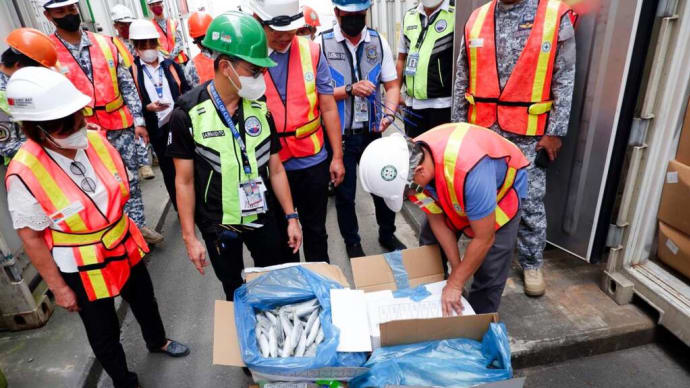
{"points": [[482, 183], [324, 85]]}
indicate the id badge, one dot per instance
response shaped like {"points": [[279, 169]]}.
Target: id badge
{"points": [[251, 195], [361, 110], [411, 66]]}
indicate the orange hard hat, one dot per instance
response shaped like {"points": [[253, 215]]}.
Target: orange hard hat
{"points": [[311, 18], [34, 44], [198, 24]]}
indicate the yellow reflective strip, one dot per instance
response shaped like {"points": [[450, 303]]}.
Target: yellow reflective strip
{"points": [[103, 44], [450, 157], [308, 68], [114, 104], [475, 32], [103, 154], [307, 129], [69, 239], [89, 256], [550, 25], [501, 217], [51, 188], [116, 233], [507, 183], [315, 140], [88, 111], [123, 52]]}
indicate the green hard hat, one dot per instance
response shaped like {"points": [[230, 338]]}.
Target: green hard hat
{"points": [[239, 35]]}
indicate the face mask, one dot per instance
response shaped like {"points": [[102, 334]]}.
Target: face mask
{"points": [[69, 23], [75, 141], [352, 25], [148, 56], [431, 3], [251, 88], [157, 10]]}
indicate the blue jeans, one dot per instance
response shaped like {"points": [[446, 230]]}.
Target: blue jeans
{"points": [[353, 146]]}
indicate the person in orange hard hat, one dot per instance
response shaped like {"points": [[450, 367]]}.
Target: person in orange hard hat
{"points": [[200, 68], [311, 22], [28, 47]]}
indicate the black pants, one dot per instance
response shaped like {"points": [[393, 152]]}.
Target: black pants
{"points": [[264, 245], [309, 188], [422, 120], [103, 327], [159, 142]]}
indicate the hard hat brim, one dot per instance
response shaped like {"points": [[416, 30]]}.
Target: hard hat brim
{"points": [[124, 20], [296, 25], [261, 62], [395, 204], [62, 111], [61, 4], [354, 7]]}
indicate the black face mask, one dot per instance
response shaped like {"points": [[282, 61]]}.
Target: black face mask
{"points": [[69, 23], [352, 25]]}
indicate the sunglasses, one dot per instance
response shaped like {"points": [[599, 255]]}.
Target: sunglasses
{"points": [[282, 20], [87, 184]]}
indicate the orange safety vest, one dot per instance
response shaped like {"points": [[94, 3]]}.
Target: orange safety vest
{"points": [[299, 127], [204, 67], [107, 107], [106, 245], [127, 57], [456, 149], [522, 107], [166, 41]]}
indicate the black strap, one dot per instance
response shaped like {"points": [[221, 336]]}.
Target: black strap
{"points": [[97, 266], [492, 100]]}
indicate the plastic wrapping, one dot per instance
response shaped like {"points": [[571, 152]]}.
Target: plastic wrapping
{"points": [[278, 288], [447, 363], [402, 281]]}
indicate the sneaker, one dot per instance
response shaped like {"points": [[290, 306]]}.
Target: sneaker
{"points": [[355, 250], [534, 282], [151, 236], [146, 172], [392, 244]]}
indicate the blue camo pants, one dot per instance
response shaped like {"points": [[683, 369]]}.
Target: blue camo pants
{"points": [[124, 142]]}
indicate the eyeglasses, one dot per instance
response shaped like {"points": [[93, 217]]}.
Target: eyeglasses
{"points": [[87, 184], [282, 20]]}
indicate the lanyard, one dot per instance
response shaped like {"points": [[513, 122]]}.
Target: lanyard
{"points": [[422, 36], [226, 115], [158, 85]]}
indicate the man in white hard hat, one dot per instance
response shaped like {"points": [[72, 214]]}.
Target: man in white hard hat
{"points": [[170, 35], [122, 18], [299, 93], [468, 180], [92, 63]]}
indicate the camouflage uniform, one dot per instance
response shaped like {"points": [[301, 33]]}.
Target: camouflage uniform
{"points": [[123, 140], [191, 74], [11, 136], [163, 24], [510, 41]]}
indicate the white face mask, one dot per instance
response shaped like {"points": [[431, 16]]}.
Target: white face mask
{"points": [[251, 88], [148, 56], [75, 141], [431, 3]]}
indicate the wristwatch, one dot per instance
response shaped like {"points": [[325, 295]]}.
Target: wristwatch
{"points": [[291, 216], [348, 89]]}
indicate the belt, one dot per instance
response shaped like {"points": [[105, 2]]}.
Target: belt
{"points": [[111, 236], [355, 131], [534, 108], [110, 107]]}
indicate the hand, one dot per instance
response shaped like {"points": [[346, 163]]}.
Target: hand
{"points": [[363, 89], [386, 121], [451, 300], [141, 132], [294, 235], [65, 297], [197, 254], [552, 144], [337, 171], [156, 106]]}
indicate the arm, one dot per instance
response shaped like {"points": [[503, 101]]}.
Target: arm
{"points": [[131, 96], [186, 198], [191, 74], [178, 42], [331, 120], [391, 100], [281, 188], [399, 67], [14, 138], [460, 104]]}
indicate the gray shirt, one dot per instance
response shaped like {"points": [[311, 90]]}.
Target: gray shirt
{"points": [[510, 41]]}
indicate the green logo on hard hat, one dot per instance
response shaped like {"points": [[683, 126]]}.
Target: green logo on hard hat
{"points": [[388, 173]]}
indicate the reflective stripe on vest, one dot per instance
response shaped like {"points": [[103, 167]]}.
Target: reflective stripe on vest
{"points": [[167, 40], [522, 106], [105, 246], [127, 57], [107, 108], [340, 62], [456, 149], [204, 67], [299, 127], [434, 76], [215, 144]]}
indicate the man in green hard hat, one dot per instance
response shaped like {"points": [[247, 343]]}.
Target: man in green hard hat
{"points": [[229, 178]]}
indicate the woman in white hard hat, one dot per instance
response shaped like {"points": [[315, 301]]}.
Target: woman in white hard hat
{"points": [[66, 191]]}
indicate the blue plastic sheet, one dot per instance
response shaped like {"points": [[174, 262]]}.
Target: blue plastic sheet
{"points": [[282, 287], [416, 294], [447, 363], [402, 281]]}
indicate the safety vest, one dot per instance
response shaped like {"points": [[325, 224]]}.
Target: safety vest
{"points": [[106, 245], [166, 40], [581, 8], [433, 46], [204, 67], [107, 107], [216, 145], [298, 118], [343, 72], [125, 54], [523, 105], [456, 150]]}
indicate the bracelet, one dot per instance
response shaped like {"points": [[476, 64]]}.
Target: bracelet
{"points": [[291, 216]]}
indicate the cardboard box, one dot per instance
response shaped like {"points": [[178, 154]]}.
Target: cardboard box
{"points": [[683, 153], [674, 210], [322, 268], [674, 249]]}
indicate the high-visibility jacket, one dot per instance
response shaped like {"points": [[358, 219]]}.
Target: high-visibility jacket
{"points": [[127, 57], [456, 150], [298, 118], [204, 67], [107, 107], [523, 105], [106, 245], [167, 40]]}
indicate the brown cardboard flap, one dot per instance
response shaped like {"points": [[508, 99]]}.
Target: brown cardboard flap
{"points": [[423, 266], [419, 330], [674, 249], [329, 271], [226, 348], [674, 210]]}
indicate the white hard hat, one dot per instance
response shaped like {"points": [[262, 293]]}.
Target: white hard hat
{"points": [[149, 2], [384, 169], [142, 29], [120, 13], [58, 3], [40, 94], [280, 15]]}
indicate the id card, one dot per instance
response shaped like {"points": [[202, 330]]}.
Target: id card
{"points": [[411, 66], [361, 110], [252, 199]]}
